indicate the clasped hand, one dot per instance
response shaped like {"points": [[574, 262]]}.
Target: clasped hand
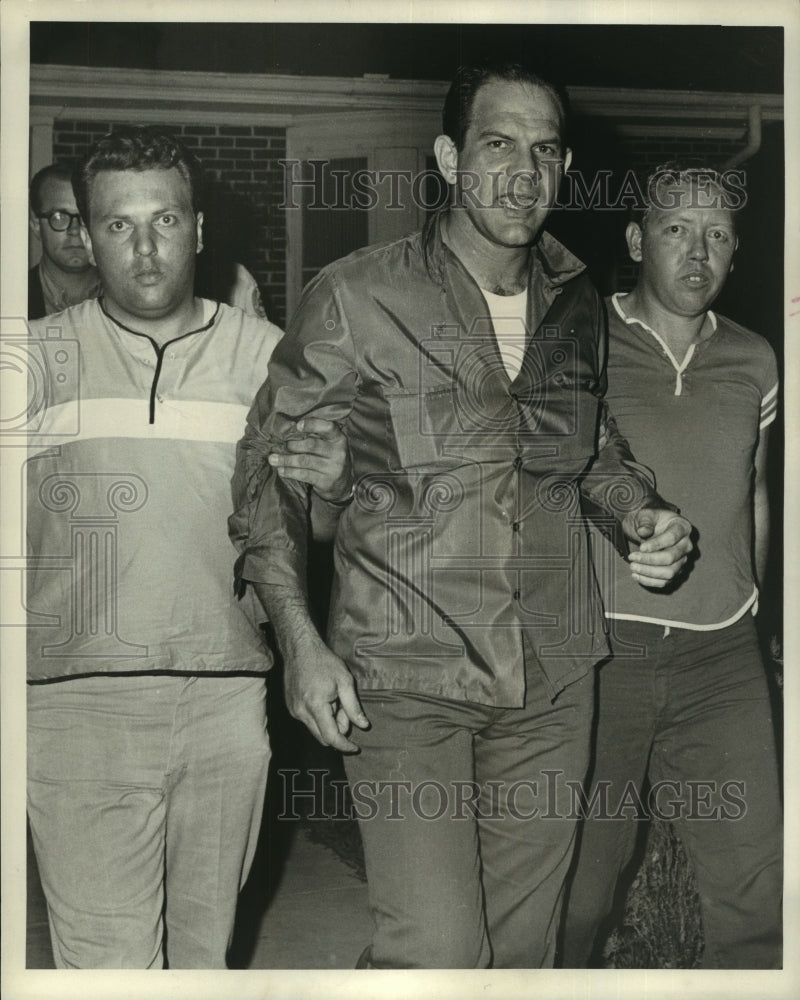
{"points": [[664, 545]]}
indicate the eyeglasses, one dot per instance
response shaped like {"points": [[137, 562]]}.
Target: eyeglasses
{"points": [[60, 220]]}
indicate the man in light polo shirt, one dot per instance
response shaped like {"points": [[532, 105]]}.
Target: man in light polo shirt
{"points": [[683, 703], [147, 744]]}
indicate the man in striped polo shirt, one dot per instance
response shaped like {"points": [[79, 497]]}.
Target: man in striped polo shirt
{"points": [[147, 744], [683, 703]]}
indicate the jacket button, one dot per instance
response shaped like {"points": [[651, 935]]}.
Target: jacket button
{"points": [[517, 462], [515, 526], [517, 595]]}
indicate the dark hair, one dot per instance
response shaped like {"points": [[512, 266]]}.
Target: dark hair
{"points": [[468, 81], [689, 170], [53, 171], [137, 147]]}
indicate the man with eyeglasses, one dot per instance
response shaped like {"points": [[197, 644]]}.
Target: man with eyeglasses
{"points": [[63, 277]]}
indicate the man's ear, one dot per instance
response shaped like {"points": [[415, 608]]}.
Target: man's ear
{"points": [[567, 159], [446, 155], [35, 225], [87, 242], [633, 235], [199, 232]]}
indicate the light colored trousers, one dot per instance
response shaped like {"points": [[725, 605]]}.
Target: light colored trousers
{"points": [[145, 796]]}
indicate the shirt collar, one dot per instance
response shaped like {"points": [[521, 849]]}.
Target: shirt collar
{"points": [[626, 318], [210, 314], [57, 295], [549, 257]]}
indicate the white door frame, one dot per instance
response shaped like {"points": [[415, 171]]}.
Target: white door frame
{"points": [[395, 145]]}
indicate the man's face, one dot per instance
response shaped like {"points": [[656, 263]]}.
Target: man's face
{"points": [[143, 236], [685, 252], [64, 249], [512, 162]]}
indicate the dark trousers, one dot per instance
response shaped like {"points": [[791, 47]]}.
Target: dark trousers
{"points": [[461, 809], [690, 713]]}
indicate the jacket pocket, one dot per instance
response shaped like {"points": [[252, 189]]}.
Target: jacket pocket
{"points": [[443, 428], [419, 424]]}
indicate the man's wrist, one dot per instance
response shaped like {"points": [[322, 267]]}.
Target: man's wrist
{"points": [[658, 503], [344, 501]]}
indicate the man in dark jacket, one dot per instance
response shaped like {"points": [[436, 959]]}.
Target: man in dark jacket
{"points": [[63, 277], [465, 366]]}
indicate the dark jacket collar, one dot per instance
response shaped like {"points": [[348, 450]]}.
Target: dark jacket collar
{"points": [[549, 257]]}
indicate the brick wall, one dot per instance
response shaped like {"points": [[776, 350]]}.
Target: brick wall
{"points": [[245, 186]]}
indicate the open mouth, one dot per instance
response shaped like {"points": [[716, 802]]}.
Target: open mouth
{"points": [[696, 279], [517, 204]]}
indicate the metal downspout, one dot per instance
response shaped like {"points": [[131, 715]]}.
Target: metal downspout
{"points": [[753, 143]]}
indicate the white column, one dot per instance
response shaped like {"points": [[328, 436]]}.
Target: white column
{"points": [[41, 153]]}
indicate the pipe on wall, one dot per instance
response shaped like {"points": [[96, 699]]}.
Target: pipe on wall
{"points": [[753, 143]]}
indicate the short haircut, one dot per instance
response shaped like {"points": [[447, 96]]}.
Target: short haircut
{"points": [[137, 147], [656, 186], [468, 80], [53, 171]]}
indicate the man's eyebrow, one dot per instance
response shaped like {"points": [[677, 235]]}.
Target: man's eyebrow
{"points": [[553, 138], [668, 217], [109, 215], [493, 131], [165, 210]]}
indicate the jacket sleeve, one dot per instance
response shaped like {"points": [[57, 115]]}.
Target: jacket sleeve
{"points": [[311, 371], [614, 483], [36, 307]]}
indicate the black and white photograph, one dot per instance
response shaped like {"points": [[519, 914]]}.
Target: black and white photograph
{"points": [[397, 561]]}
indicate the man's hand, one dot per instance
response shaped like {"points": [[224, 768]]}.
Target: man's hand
{"points": [[318, 457], [321, 693], [664, 545], [320, 690]]}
